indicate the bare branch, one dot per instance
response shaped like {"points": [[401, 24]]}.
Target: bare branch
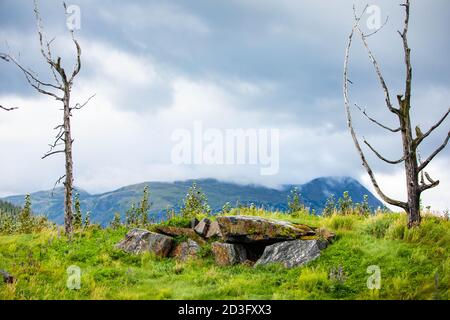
{"points": [[435, 153], [432, 184], [78, 63], [52, 153], [52, 64], [8, 109], [40, 30], [429, 178], [40, 90], [28, 73], [384, 24], [376, 122], [32, 80], [57, 182], [381, 157], [80, 106], [404, 36], [389, 200], [77, 67], [420, 139], [423, 185], [378, 72]]}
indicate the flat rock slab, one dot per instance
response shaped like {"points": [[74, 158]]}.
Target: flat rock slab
{"points": [[179, 232], [185, 250], [292, 253], [139, 241], [227, 254], [248, 229]]}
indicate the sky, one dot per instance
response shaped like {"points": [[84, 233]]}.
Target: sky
{"points": [[158, 67]]}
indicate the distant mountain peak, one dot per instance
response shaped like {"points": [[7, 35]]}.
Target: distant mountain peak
{"points": [[163, 194]]}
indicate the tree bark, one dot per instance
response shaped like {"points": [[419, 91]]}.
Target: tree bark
{"points": [[68, 184], [411, 166]]}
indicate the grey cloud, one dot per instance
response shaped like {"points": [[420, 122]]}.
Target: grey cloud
{"points": [[281, 59]]}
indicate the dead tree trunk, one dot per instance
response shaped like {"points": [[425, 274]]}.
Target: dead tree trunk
{"points": [[61, 90], [68, 184], [417, 180]]}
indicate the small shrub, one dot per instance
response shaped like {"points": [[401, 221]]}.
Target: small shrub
{"points": [[116, 223], [205, 251], [107, 274], [295, 204], [432, 231], [195, 203], [138, 216], [226, 209], [397, 229], [25, 217], [345, 204], [312, 280], [77, 215], [177, 221], [363, 208], [22, 220], [145, 206], [87, 220], [380, 224], [330, 207], [339, 222]]}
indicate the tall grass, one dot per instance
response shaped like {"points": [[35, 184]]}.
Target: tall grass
{"points": [[410, 261]]}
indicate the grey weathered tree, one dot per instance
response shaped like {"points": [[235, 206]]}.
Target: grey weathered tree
{"points": [[417, 179], [60, 88]]}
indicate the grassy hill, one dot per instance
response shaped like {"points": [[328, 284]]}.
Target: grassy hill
{"points": [[414, 264], [165, 194]]}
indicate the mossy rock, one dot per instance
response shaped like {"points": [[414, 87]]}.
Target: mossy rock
{"points": [[247, 229]]}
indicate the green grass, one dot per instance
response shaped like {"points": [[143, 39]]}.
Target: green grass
{"points": [[408, 259]]}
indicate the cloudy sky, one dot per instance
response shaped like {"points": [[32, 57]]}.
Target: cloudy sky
{"points": [[159, 66]]}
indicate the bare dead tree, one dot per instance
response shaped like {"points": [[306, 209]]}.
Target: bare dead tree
{"points": [[417, 179], [60, 89]]}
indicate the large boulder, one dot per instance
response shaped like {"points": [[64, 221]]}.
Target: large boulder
{"points": [[292, 253], [180, 232], [227, 254], [247, 229], [185, 250], [140, 241]]}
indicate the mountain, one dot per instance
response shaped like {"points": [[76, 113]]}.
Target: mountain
{"points": [[171, 194]]}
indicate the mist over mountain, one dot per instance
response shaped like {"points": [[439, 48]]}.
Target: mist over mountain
{"points": [[171, 194]]}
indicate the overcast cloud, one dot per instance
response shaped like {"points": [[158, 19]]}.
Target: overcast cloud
{"points": [[158, 66]]}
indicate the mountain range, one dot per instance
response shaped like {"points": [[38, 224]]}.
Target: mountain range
{"points": [[171, 194]]}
